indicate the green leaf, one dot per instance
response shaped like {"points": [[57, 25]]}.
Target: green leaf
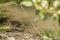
{"points": [[18, 1], [41, 15], [48, 34], [56, 3], [59, 19], [47, 15], [5, 27], [58, 7], [44, 4], [37, 12], [26, 3], [7, 4], [2, 13], [55, 16], [4, 1], [38, 1]]}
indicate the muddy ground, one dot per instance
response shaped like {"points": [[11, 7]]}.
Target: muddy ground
{"points": [[18, 36]]}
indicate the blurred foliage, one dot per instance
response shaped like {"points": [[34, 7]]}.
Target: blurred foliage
{"points": [[26, 3], [51, 34], [18, 2], [41, 7], [47, 15], [44, 9], [59, 19], [4, 1], [2, 13], [5, 28]]}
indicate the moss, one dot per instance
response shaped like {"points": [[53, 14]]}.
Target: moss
{"points": [[5, 27]]}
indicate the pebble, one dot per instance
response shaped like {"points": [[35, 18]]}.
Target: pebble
{"points": [[10, 38]]}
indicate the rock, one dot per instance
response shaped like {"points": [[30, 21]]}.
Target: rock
{"points": [[10, 38]]}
